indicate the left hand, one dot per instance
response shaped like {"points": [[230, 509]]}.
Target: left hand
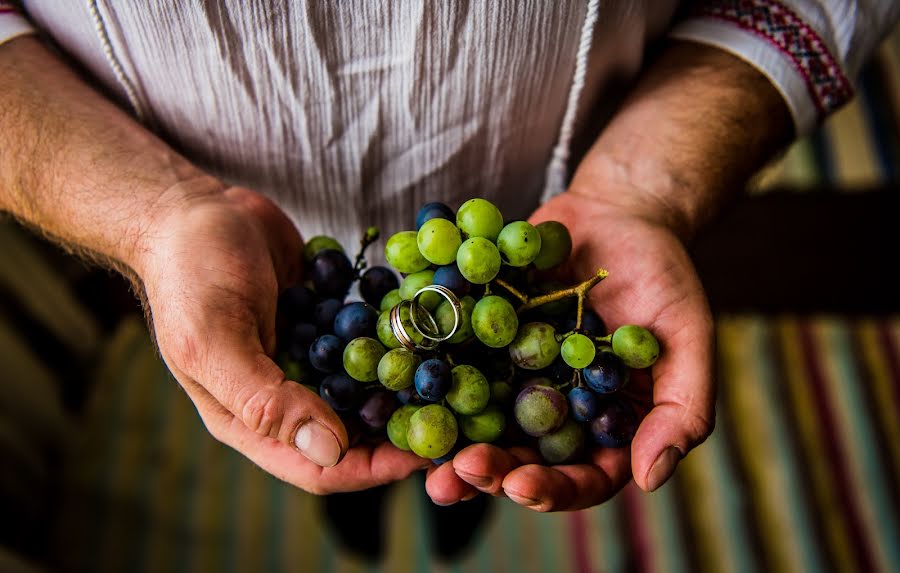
{"points": [[652, 283]]}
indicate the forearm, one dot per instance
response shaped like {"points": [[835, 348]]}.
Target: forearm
{"points": [[76, 166], [697, 125]]}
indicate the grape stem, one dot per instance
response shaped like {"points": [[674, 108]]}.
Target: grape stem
{"points": [[371, 235], [580, 290]]}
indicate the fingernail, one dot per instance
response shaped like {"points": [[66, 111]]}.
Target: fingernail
{"points": [[439, 504], [318, 443], [521, 500], [663, 467], [477, 481], [471, 496]]}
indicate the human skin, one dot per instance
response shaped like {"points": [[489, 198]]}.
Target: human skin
{"points": [[208, 259], [697, 125]]}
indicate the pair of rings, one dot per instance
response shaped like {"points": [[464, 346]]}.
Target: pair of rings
{"points": [[423, 321]]}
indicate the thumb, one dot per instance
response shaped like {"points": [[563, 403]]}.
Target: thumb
{"points": [[235, 373]]}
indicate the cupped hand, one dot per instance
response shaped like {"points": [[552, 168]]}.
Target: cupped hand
{"points": [[212, 272], [652, 283]]}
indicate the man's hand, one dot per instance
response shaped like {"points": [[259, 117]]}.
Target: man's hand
{"points": [[211, 261], [696, 126]]}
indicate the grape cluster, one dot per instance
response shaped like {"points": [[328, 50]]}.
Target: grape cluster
{"points": [[514, 347]]}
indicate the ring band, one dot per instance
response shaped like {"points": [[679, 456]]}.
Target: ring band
{"points": [[454, 303], [413, 306]]}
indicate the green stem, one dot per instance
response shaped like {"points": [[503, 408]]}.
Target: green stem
{"points": [[371, 235], [579, 290], [512, 290], [607, 339]]}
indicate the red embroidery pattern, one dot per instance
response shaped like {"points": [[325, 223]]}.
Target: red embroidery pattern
{"points": [[784, 29]]}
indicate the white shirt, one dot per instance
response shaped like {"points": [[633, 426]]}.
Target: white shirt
{"points": [[354, 113]]}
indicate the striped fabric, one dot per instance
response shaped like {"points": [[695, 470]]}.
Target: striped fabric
{"points": [[800, 475]]}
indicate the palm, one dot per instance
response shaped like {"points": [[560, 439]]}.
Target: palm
{"points": [[652, 283], [212, 288]]}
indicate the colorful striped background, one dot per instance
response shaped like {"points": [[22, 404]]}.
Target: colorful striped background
{"points": [[800, 475]]}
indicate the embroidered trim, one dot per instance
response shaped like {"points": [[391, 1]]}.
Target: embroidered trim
{"points": [[785, 30]]}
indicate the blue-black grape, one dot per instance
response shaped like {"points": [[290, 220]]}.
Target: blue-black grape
{"points": [[341, 392], [355, 320], [327, 353], [325, 312], [607, 373], [375, 283], [615, 424], [331, 273], [434, 210], [450, 277], [301, 338], [378, 408], [591, 323], [433, 379], [296, 304], [582, 404]]}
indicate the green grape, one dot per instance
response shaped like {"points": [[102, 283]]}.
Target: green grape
{"points": [[478, 260], [385, 332], [486, 426], [564, 445], [494, 321], [444, 318], [432, 431], [361, 357], [578, 350], [397, 369], [556, 245], [540, 410], [398, 425], [319, 243], [479, 218], [535, 346], [438, 240], [403, 254], [635, 345], [501, 392], [519, 243], [470, 391], [412, 283], [390, 300]]}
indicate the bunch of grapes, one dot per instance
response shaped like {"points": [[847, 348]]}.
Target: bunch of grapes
{"points": [[472, 345]]}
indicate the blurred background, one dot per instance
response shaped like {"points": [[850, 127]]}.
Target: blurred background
{"points": [[107, 467]]}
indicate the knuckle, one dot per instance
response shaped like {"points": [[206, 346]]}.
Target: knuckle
{"points": [[700, 425], [263, 411]]}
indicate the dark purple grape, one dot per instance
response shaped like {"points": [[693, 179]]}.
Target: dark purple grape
{"points": [[615, 424], [325, 312], [560, 371], [582, 404], [591, 323], [409, 395], [450, 277], [607, 373], [327, 353], [377, 282], [434, 210], [356, 429], [356, 320], [296, 304], [341, 392], [377, 409], [301, 338], [433, 379], [331, 273]]}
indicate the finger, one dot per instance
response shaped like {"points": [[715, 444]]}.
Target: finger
{"points": [[569, 487], [683, 412], [363, 466], [230, 364], [444, 487], [484, 466]]}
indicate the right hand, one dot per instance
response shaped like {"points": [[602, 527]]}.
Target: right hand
{"points": [[212, 271]]}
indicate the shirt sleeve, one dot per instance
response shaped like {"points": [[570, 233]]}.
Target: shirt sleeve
{"points": [[811, 51], [12, 22]]}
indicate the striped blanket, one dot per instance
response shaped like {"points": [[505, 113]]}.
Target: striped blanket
{"points": [[800, 475]]}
